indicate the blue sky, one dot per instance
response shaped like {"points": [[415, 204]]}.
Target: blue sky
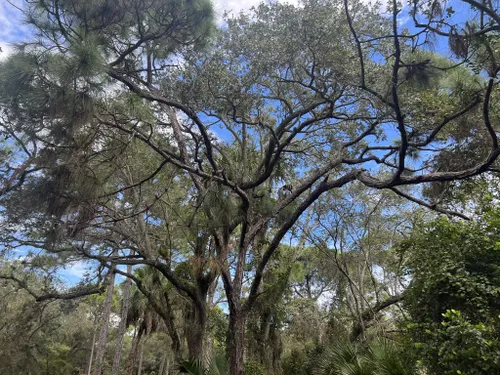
{"points": [[11, 29]]}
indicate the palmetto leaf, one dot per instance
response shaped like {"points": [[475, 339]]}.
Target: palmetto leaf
{"points": [[191, 368], [217, 365], [346, 358]]}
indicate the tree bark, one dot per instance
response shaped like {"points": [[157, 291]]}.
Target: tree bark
{"points": [[208, 345], [169, 320], [123, 325], [167, 369], [103, 334], [89, 365], [236, 342], [196, 331], [265, 352], [133, 350], [161, 370], [370, 313], [141, 357]]}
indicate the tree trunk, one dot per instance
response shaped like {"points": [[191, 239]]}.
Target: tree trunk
{"points": [[133, 350], [236, 342], [89, 365], [161, 370], [208, 345], [167, 369], [123, 325], [141, 357], [171, 329], [103, 334], [196, 331], [265, 353]]}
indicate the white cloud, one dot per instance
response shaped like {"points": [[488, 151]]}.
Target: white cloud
{"points": [[5, 50], [403, 19], [234, 7], [77, 269]]}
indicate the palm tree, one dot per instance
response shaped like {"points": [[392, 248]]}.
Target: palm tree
{"points": [[142, 316], [151, 313]]}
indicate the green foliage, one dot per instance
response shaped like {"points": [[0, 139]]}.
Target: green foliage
{"points": [[458, 346], [113, 150], [218, 325], [454, 266], [378, 358], [49, 337], [194, 367], [453, 298], [296, 362], [255, 368], [217, 365], [342, 357]]}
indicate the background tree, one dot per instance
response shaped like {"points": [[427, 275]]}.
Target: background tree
{"points": [[453, 296]]}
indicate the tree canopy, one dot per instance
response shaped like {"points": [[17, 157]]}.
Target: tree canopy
{"points": [[255, 186]]}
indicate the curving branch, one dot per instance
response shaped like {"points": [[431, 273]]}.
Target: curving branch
{"points": [[372, 312], [72, 294]]}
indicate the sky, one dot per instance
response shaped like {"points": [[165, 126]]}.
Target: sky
{"points": [[10, 29]]}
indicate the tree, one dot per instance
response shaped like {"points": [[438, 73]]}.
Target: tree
{"points": [[45, 337], [126, 32], [284, 107], [103, 332], [123, 323], [453, 296]]}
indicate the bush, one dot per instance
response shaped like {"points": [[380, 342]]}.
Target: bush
{"points": [[255, 368], [459, 346]]}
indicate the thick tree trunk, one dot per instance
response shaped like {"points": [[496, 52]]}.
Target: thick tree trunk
{"points": [[103, 334], [236, 342], [197, 319], [208, 344], [171, 329], [123, 325], [196, 331]]}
